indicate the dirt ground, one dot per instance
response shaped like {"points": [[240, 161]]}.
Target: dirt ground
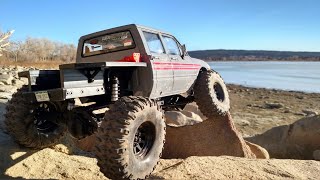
{"points": [[251, 114], [50, 164]]}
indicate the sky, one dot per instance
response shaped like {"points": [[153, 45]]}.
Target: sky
{"points": [[291, 25]]}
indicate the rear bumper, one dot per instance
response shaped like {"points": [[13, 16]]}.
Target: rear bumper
{"points": [[61, 94], [54, 94]]}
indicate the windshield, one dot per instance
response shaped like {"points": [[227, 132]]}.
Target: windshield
{"points": [[108, 43]]}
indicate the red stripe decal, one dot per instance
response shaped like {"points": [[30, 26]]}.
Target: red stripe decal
{"points": [[175, 66], [176, 69]]}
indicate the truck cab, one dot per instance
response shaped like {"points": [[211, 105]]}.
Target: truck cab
{"points": [[170, 70]]}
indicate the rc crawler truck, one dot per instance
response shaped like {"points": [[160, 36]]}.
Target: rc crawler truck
{"points": [[134, 72]]}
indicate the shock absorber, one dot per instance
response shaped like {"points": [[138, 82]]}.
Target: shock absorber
{"points": [[114, 89]]}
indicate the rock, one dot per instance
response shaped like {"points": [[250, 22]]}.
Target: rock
{"points": [[62, 148], [4, 95], [14, 81], [244, 122], [269, 105], [215, 136], [8, 89], [193, 107], [183, 118], [4, 73], [18, 68], [19, 82], [309, 112], [264, 97], [298, 140], [316, 155], [287, 110], [260, 152], [255, 105], [6, 79], [300, 97], [300, 114]]}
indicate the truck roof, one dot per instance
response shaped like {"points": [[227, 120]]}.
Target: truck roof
{"points": [[149, 28], [128, 26]]}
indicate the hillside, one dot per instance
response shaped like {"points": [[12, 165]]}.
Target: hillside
{"points": [[254, 55]]}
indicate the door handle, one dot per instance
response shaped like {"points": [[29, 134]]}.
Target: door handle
{"points": [[174, 58]]}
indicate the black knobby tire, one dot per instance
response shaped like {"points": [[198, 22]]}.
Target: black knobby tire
{"points": [[211, 94], [20, 123], [131, 122]]}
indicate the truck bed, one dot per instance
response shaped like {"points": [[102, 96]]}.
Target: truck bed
{"points": [[102, 65]]}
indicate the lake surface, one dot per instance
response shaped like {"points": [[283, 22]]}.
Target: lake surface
{"points": [[296, 76]]}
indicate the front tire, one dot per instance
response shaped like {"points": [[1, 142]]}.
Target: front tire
{"points": [[211, 94], [27, 123], [131, 138]]}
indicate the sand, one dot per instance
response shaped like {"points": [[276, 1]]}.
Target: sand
{"points": [[250, 117]]}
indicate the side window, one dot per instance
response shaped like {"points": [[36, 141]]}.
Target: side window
{"points": [[172, 45], [154, 43]]}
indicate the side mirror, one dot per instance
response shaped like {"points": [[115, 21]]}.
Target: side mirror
{"points": [[184, 50]]}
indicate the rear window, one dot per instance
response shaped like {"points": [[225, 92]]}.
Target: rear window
{"points": [[108, 43]]}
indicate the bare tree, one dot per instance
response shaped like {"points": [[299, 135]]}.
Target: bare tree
{"points": [[4, 40], [40, 49]]}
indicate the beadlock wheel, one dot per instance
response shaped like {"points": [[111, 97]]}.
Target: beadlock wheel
{"points": [[131, 138], [29, 123], [211, 94]]}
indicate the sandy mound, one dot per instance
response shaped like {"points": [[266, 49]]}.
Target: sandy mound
{"points": [[236, 168], [299, 140], [50, 164], [213, 137], [258, 151]]}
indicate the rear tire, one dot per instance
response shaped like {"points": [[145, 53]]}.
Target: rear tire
{"points": [[211, 94], [24, 127], [131, 138]]}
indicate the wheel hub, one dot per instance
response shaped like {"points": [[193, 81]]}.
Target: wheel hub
{"points": [[42, 115], [219, 92], [144, 139]]}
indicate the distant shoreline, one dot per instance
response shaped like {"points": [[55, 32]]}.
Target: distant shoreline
{"points": [[254, 55], [269, 89]]}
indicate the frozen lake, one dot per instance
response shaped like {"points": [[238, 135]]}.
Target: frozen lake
{"points": [[297, 76]]}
